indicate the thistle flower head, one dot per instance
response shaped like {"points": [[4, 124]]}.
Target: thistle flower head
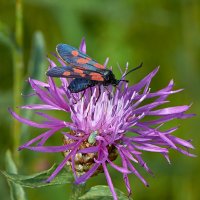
{"points": [[101, 117]]}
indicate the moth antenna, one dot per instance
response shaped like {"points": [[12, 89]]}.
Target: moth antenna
{"points": [[130, 72]]}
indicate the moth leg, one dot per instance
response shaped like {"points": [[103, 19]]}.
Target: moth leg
{"points": [[82, 94], [90, 91], [74, 98], [109, 93], [117, 88], [99, 93]]}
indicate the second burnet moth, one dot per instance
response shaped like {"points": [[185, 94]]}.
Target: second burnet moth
{"points": [[85, 70]]}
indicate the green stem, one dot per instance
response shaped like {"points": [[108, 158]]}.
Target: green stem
{"points": [[77, 191], [18, 66]]}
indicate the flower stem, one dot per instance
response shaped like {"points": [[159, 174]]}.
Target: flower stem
{"points": [[18, 66], [77, 191]]}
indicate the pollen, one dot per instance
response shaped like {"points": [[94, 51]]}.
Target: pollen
{"points": [[85, 161]]}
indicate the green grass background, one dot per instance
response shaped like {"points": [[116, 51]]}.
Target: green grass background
{"points": [[165, 33]]}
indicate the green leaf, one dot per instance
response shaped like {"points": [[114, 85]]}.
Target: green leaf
{"points": [[5, 35], [36, 70], [39, 179], [37, 65], [16, 191], [102, 192]]}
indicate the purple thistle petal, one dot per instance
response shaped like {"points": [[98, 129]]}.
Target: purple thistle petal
{"points": [[83, 46], [125, 176], [127, 183], [73, 165], [89, 150], [152, 148], [38, 83], [52, 149], [185, 152], [92, 170], [143, 164], [43, 95], [31, 123], [161, 93], [109, 181], [39, 107], [88, 174], [170, 110], [103, 158], [48, 117], [62, 164], [139, 139], [70, 136], [58, 98], [56, 122], [59, 60], [136, 173], [130, 166], [149, 107], [144, 81], [120, 69], [181, 142], [167, 140], [185, 116], [106, 62], [45, 135], [167, 157], [60, 167], [52, 64], [167, 118], [127, 154], [131, 149], [120, 169]]}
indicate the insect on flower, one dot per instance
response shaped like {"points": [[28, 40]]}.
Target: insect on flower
{"points": [[85, 70], [92, 137], [102, 127]]}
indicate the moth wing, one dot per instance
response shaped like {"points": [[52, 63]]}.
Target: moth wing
{"points": [[73, 72], [77, 58]]}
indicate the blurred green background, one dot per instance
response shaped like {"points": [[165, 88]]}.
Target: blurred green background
{"points": [[165, 33]]}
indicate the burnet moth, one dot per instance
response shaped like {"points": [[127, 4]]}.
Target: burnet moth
{"points": [[85, 70]]}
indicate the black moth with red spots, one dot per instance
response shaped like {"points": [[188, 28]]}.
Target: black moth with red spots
{"points": [[85, 71]]}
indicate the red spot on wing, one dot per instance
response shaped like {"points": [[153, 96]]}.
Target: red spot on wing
{"points": [[83, 75], [88, 58], [78, 71], [74, 53], [97, 65], [66, 73], [82, 61], [96, 76]]}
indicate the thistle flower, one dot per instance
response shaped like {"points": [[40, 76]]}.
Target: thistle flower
{"points": [[100, 120]]}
